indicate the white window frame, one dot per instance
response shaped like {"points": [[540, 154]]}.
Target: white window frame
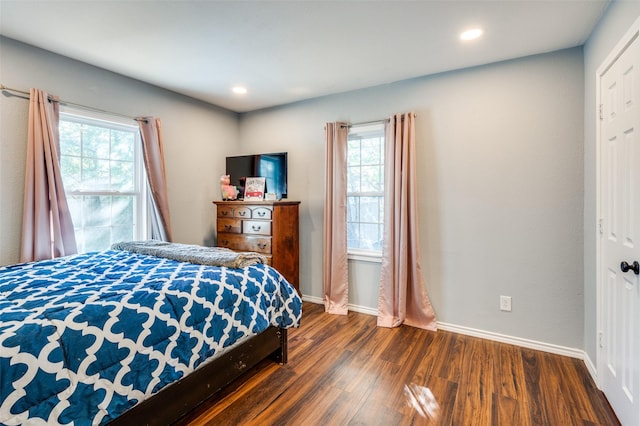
{"points": [[358, 254], [142, 219]]}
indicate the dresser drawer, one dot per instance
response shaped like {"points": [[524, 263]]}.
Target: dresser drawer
{"points": [[225, 211], [261, 213], [242, 212], [245, 243], [230, 225], [256, 227]]}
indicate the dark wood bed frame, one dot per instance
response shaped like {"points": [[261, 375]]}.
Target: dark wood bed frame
{"points": [[179, 398]]}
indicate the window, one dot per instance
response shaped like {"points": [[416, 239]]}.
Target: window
{"points": [[365, 190], [104, 180]]}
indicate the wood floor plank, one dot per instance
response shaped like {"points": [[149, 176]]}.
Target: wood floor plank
{"points": [[344, 370], [508, 411], [432, 402], [475, 391], [509, 371], [569, 388], [532, 370], [407, 380], [555, 401], [370, 350], [602, 412], [447, 362]]}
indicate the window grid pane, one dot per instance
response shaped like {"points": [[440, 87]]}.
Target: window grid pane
{"points": [[101, 172], [365, 188]]}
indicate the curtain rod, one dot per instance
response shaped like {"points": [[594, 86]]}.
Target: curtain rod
{"points": [[369, 122], [62, 102], [365, 123]]}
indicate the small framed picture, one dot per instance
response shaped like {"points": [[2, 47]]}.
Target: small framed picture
{"points": [[254, 189]]}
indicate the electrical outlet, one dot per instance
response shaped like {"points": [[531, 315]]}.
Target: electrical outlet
{"points": [[505, 303]]}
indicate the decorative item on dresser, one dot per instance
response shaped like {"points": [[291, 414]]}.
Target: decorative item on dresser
{"points": [[267, 227]]}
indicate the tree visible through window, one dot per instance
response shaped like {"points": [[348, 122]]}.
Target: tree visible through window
{"points": [[365, 189], [103, 179]]}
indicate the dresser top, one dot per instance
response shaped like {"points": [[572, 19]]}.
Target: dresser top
{"points": [[256, 203]]}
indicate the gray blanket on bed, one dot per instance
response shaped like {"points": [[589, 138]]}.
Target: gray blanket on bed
{"points": [[214, 256]]}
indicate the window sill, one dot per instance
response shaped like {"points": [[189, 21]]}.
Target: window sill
{"points": [[365, 256]]}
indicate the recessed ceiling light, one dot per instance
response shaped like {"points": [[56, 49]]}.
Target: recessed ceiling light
{"points": [[471, 34], [239, 90]]}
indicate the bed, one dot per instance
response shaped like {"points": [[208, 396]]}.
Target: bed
{"points": [[124, 337]]}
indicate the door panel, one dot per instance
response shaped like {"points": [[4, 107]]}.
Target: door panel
{"points": [[620, 182]]}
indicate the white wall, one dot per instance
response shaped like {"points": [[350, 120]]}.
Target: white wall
{"points": [[614, 24], [197, 136], [500, 160]]}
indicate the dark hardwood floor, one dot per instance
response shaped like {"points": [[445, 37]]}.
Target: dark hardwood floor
{"points": [[345, 370]]}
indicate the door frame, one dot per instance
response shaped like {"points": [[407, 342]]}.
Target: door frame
{"points": [[631, 34]]}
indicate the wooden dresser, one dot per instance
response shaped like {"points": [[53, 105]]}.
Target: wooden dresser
{"points": [[267, 227]]}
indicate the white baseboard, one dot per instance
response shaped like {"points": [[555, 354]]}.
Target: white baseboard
{"points": [[354, 308], [517, 341], [312, 299], [468, 331], [592, 369]]}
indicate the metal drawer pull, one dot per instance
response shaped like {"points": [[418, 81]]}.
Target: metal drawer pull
{"points": [[242, 213], [224, 242], [256, 228], [224, 213], [261, 214], [262, 245], [228, 227]]}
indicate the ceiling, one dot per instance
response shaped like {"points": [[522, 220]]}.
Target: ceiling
{"points": [[286, 51]]}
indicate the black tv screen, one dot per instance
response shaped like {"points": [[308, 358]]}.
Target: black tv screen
{"points": [[272, 167]]}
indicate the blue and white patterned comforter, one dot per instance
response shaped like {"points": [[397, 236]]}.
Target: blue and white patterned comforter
{"points": [[83, 338]]}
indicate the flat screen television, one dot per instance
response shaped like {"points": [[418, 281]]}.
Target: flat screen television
{"points": [[272, 167]]}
